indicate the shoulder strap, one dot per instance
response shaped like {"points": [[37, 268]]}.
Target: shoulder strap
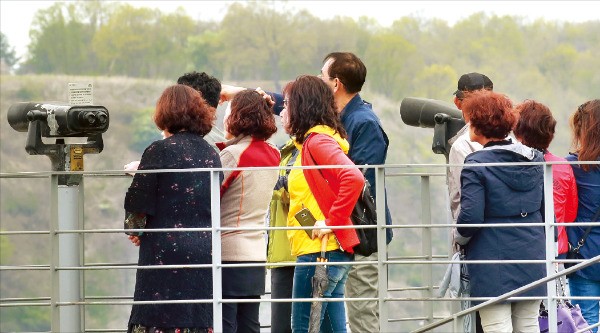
{"points": [[587, 231]]}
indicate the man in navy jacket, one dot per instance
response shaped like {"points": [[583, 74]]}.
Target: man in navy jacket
{"points": [[345, 73]]}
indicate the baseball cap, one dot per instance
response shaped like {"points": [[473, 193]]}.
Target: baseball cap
{"points": [[474, 81]]}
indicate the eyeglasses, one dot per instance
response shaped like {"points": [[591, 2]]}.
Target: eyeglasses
{"points": [[321, 76], [285, 103]]}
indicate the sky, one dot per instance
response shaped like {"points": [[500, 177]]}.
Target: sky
{"points": [[16, 15]]}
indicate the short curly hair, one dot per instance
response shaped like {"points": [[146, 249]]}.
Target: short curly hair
{"points": [[536, 125], [491, 113], [181, 108], [251, 115], [208, 86]]}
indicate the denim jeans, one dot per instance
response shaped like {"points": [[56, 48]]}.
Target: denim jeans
{"points": [[337, 275], [579, 286]]}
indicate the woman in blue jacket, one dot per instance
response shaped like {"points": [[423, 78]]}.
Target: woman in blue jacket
{"points": [[585, 123], [501, 194]]}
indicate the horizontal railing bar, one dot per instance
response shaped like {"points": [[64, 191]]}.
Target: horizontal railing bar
{"points": [[394, 320], [266, 264], [25, 268], [39, 174], [24, 232], [21, 299], [404, 226], [417, 257]]}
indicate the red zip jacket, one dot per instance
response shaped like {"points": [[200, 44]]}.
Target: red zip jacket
{"points": [[336, 190], [565, 198]]}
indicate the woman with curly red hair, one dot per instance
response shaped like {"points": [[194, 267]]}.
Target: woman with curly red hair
{"points": [[501, 194], [174, 200], [245, 197]]}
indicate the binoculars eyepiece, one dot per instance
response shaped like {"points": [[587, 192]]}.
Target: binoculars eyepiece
{"points": [[59, 120]]}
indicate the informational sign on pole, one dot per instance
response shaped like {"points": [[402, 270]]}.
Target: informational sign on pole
{"points": [[81, 94]]}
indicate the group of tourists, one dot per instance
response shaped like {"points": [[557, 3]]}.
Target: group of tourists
{"points": [[330, 124], [499, 194]]}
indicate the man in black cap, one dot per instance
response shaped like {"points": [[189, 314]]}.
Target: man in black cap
{"points": [[461, 146]]}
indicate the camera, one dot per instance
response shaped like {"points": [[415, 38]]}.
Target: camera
{"points": [[59, 120], [445, 119]]}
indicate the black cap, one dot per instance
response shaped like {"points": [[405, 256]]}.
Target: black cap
{"points": [[474, 81]]}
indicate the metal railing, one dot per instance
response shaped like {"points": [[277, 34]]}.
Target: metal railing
{"points": [[68, 298]]}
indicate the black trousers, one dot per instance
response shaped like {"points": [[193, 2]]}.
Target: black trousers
{"points": [[241, 317], [282, 280]]}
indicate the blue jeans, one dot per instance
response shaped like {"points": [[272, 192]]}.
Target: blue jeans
{"points": [[337, 275], [579, 286]]}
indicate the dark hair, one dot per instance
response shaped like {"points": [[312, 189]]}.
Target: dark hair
{"points": [[208, 86], [310, 104], [491, 114], [251, 115], [536, 125], [348, 68], [182, 108], [585, 124]]}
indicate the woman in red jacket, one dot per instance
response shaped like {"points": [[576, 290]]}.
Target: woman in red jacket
{"points": [[535, 129], [329, 194]]}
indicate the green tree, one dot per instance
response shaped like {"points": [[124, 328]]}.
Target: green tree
{"points": [[60, 41], [207, 52], [262, 42], [7, 53], [142, 42], [390, 61]]}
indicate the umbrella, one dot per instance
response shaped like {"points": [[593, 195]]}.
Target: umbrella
{"points": [[319, 285], [456, 281]]}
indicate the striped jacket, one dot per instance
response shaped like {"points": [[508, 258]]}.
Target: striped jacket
{"points": [[245, 196]]}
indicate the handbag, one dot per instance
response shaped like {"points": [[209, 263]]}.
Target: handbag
{"points": [[134, 221], [573, 252], [568, 316], [363, 214]]}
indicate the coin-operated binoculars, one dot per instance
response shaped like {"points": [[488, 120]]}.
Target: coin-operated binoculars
{"points": [[47, 120], [60, 121], [445, 119]]}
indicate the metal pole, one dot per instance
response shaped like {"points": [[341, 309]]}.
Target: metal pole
{"points": [[69, 281], [215, 208], [426, 245], [550, 251], [382, 281], [55, 296]]}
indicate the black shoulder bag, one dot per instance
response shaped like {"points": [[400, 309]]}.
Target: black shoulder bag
{"points": [[573, 252], [364, 214]]}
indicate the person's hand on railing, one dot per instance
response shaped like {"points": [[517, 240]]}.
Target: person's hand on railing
{"points": [[131, 166], [135, 240]]}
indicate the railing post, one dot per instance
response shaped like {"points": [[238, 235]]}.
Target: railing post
{"points": [[426, 245], [550, 248], [66, 202], [215, 209], [382, 281], [54, 297]]}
